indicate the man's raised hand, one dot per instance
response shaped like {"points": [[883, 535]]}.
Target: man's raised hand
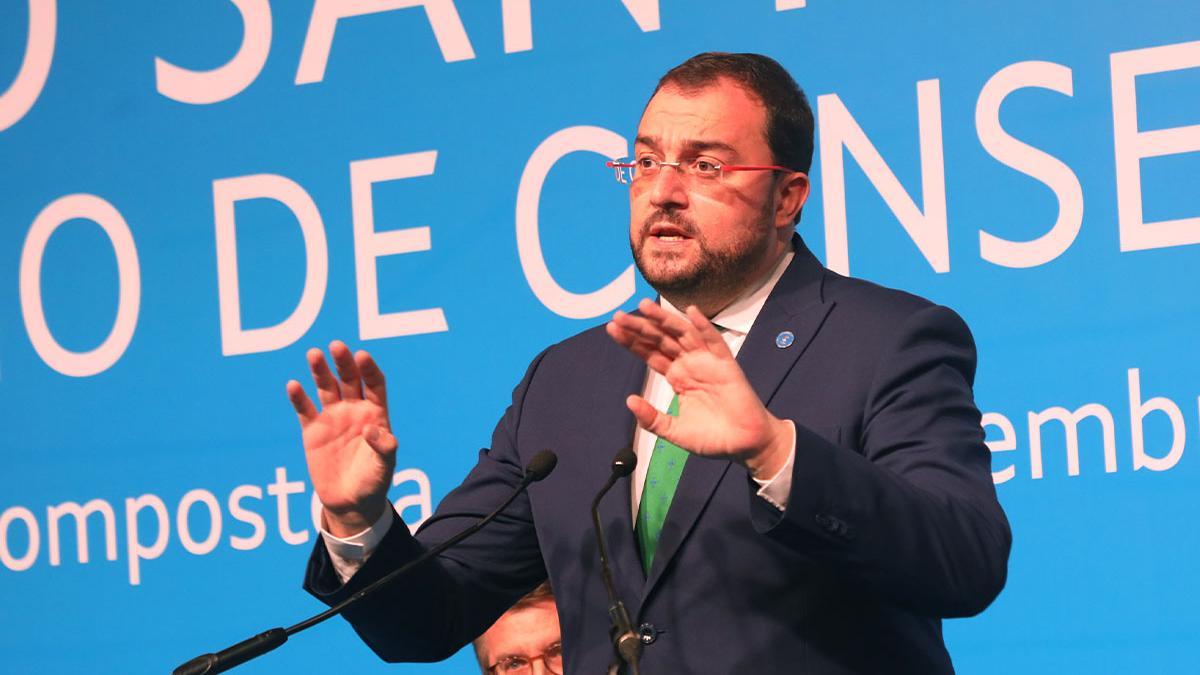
{"points": [[349, 446], [720, 415]]}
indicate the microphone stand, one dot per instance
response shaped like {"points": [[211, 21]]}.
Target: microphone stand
{"points": [[209, 664], [626, 643]]}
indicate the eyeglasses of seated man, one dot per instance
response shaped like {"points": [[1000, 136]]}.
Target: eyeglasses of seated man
{"points": [[521, 664]]}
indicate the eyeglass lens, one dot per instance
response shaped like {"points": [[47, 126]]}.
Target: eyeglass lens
{"points": [[521, 665]]}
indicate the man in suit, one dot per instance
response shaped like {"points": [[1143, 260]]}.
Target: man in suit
{"points": [[813, 493]]}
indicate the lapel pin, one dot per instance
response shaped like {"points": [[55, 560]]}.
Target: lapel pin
{"points": [[785, 339]]}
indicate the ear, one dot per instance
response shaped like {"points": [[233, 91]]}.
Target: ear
{"points": [[791, 194]]}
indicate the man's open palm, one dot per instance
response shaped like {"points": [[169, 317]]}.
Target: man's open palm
{"points": [[350, 450], [720, 415]]}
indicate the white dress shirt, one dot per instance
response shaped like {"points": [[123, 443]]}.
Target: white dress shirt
{"points": [[348, 555]]}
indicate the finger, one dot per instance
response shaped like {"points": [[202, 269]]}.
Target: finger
{"points": [[707, 332], [658, 363], [618, 334], [654, 313], [668, 321], [372, 377], [654, 359], [628, 337], [649, 418], [675, 327], [643, 329], [350, 379], [379, 439], [305, 410], [681, 329], [681, 381], [327, 385], [648, 350]]}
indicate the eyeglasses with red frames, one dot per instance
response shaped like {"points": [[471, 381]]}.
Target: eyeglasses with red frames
{"points": [[702, 168]]}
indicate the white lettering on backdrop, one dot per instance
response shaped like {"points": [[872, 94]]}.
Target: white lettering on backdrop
{"points": [[927, 225], [370, 245], [442, 14], [95, 209], [230, 79], [1070, 422], [927, 228], [1030, 161], [35, 66], [1132, 146], [226, 193], [147, 522], [529, 246]]}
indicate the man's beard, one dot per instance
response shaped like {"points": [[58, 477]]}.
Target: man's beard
{"points": [[715, 274]]}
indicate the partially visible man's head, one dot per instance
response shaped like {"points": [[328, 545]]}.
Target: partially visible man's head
{"points": [[525, 639], [703, 239]]}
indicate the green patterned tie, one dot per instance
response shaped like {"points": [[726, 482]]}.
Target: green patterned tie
{"points": [[666, 466]]}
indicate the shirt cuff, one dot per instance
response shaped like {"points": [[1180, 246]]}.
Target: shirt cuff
{"points": [[349, 554], [777, 488]]}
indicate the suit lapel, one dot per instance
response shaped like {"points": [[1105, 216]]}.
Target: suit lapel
{"points": [[623, 374], [765, 363], [795, 305]]}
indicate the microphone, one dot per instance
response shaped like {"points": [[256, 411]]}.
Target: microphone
{"points": [[626, 642], [539, 466], [624, 463]]}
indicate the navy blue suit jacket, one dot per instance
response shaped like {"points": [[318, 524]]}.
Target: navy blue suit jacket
{"points": [[892, 522]]}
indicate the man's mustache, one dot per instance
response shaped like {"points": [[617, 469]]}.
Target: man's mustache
{"points": [[670, 217]]}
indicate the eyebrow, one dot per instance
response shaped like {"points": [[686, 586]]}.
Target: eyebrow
{"points": [[690, 146], [505, 657]]}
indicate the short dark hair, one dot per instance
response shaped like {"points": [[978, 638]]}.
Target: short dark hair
{"points": [[789, 118]]}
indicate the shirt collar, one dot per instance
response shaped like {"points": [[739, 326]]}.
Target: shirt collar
{"points": [[739, 315]]}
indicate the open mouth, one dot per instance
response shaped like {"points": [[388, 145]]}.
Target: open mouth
{"points": [[667, 232]]}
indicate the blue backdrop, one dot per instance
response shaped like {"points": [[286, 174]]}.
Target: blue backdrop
{"points": [[192, 194]]}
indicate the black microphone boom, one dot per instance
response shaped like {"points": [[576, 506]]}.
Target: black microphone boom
{"points": [[626, 642], [537, 469]]}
